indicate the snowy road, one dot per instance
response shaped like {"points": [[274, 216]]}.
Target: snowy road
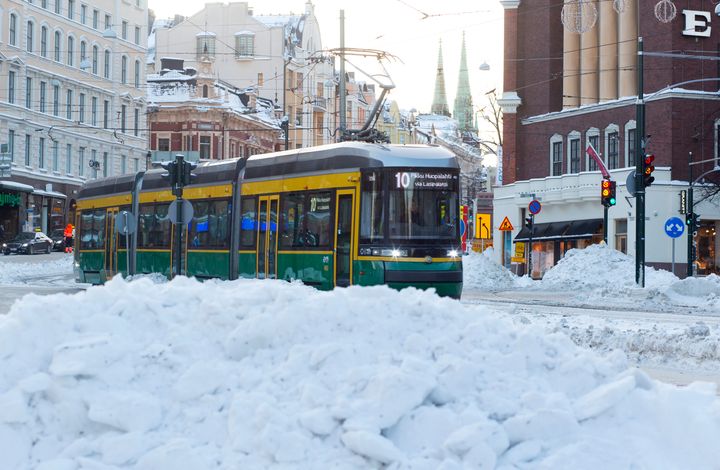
{"points": [[672, 343]]}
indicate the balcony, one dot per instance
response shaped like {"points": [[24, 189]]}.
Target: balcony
{"points": [[165, 155]]}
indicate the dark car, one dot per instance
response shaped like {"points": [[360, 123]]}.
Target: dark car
{"points": [[58, 238], [28, 243]]}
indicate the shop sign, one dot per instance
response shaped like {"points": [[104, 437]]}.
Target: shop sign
{"points": [[519, 255], [697, 23], [8, 199]]}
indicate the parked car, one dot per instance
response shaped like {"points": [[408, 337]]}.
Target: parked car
{"points": [[28, 243], [58, 238]]}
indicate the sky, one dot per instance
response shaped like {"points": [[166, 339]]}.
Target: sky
{"points": [[399, 27], [149, 374]]}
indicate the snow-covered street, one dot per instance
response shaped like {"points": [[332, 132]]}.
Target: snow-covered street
{"points": [[146, 374]]}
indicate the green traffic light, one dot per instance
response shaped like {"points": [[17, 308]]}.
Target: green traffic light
{"points": [[612, 201]]}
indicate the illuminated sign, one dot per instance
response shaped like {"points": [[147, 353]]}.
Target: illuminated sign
{"points": [[7, 199], [424, 180]]}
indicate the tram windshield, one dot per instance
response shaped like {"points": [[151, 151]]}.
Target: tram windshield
{"points": [[417, 206]]}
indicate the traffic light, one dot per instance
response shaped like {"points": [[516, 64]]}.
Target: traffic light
{"points": [[607, 193], [648, 168], [529, 221], [172, 174], [187, 176]]}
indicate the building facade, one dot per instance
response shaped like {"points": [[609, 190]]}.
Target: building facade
{"points": [[278, 56], [72, 102], [192, 113], [566, 90]]}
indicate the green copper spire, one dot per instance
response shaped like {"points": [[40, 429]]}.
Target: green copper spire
{"points": [[439, 104], [463, 109]]}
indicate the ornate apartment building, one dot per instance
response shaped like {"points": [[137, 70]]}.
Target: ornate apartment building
{"points": [[276, 58], [72, 102]]}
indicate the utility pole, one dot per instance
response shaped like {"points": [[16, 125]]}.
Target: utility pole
{"points": [[690, 219], [639, 171], [343, 104]]}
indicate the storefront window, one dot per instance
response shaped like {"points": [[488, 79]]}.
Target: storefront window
{"points": [[707, 262]]}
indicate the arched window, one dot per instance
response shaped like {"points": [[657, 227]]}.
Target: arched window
{"points": [[137, 74], [30, 39], [612, 146], [71, 51], [205, 91], [83, 55], [43, 41], [12, 39], [58, 38], [123, 70], [573, 152], [556, 155], [106, 73], [95, 60]]}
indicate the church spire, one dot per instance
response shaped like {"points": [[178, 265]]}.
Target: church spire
{"points": [[463, 109], [439, 104]]}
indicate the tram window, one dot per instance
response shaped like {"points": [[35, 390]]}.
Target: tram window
{"points": [[371, 208], [305, 220], [209, 226], [248, 226], [92, 229], [153, 226]]}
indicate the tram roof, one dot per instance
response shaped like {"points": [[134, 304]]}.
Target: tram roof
{"points": [[347, 156]]}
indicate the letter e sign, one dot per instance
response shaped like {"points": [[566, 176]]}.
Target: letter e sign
{"points": [[697, 23]]}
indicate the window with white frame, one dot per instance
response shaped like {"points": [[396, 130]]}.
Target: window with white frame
{"points": [[124, 29], [81, 161], [43, 97], [81, 107], [630, 143], [93, 110], [28, 92], [96, 14], [69, 105], [41, 152], [71, 9], [123, 70], [574, 152], [137, 74], [556, 155], [137, 35], [592, 137], [58, 39], [68, 159], [71, 50], [95, 60], [12, 32], [11, 86], [244, 44], [30, 40], [612, 146], [205, 45], [106, 170], [56, 156], [83, 14], [56, 100], [58, 6], [106, 72], [28, 149], [43, 41]]}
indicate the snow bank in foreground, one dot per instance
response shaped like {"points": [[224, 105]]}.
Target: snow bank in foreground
{"points": [[266, 374]]}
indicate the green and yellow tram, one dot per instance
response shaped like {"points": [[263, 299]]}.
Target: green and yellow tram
{"points": [[337, 215]]}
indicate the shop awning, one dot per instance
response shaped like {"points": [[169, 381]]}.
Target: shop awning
{"points": [[13, 186], [54, 194], [583, 228], [566, 230]]}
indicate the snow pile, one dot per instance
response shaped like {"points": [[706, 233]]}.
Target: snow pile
{"points": [[12, 272], [700, 291], [601, 267], [266, 374], [480, 271]]}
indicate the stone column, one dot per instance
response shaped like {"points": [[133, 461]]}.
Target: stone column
{"points": [[608, 52], [589, 65], [627, 50], [571, 69]]}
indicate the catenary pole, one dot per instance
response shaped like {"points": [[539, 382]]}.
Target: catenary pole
{"points": [[639, 181]]}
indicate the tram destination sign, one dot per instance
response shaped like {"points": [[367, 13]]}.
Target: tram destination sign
{"points": [[424, 180]]}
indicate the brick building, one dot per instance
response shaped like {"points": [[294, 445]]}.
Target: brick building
{"points": [[565, 90]]}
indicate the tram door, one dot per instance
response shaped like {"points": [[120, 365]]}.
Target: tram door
{"points": [[267, 237], [343, 239], [110, 243]]}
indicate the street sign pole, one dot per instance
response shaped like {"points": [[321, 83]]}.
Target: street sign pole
{"points": [[605, 223]]}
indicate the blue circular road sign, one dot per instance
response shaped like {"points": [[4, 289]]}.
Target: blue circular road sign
{"points": [[674, 227], [534, 206]]}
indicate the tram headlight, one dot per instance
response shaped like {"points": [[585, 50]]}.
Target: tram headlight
{"points": [[452, 253]]}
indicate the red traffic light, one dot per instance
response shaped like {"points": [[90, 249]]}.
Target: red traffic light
{"points": [[649, 158], [605, 184]]}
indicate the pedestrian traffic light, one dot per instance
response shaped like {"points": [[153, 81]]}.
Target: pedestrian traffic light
{"points": [[607, 193], [648, 168]]}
